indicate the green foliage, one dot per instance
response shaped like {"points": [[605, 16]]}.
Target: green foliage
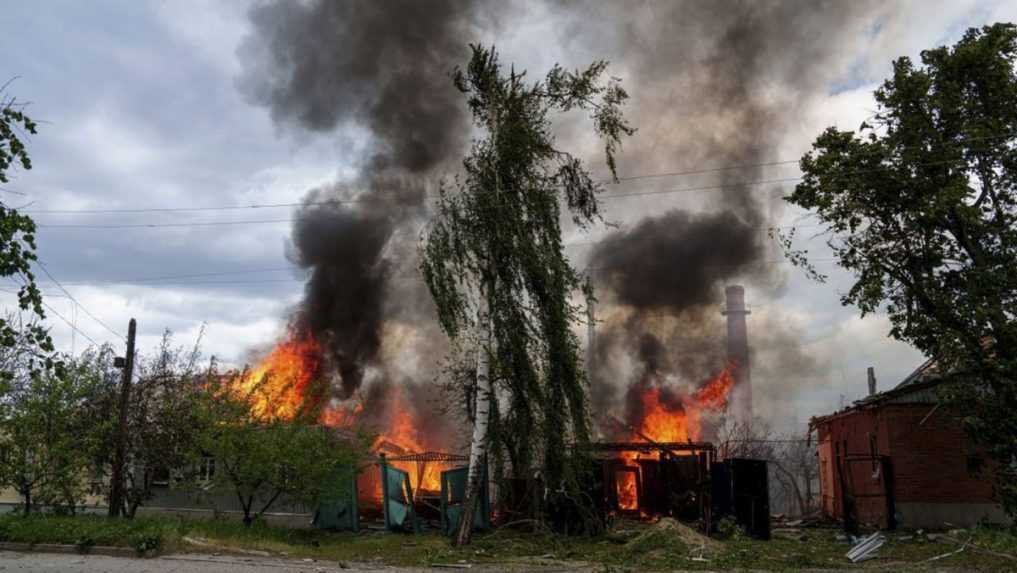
{"points": [[17, 245], [146, 542], [921, 205], [260, 460], [88, 531], [47, 439], [496, 244]]}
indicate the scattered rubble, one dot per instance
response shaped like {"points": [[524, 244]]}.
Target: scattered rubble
{"points": [[866, 548]]}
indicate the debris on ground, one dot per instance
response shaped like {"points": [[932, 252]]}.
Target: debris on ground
{"points": [[950, 554], [668, 533], [866, 548]]}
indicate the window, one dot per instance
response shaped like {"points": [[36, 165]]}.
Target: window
{"points": [[160, 476], [206, 469]]}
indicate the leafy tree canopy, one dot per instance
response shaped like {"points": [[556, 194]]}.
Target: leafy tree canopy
{"points": [[17, 241], [47, 435], [261, 460], [920, 205]]}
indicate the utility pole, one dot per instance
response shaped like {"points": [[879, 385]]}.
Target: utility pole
{"points": [[116, 494]]}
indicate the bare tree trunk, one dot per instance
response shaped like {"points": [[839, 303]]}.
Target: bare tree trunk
{"points": [[478, 443]]}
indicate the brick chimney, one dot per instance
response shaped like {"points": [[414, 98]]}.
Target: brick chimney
{"points": [[738, 354]]}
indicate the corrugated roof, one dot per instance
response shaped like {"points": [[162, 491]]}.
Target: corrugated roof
{"points": [[929, 370]]}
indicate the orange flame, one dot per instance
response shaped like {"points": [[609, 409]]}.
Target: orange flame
{"points": [[675, 422], [403, 436], [281, 384], [682, 422], [628, 498]]}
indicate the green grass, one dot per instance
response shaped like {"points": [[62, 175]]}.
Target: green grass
{"points": [[87, 531], [630, 546]]}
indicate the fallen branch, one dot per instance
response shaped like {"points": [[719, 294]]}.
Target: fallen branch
{"points": [[945, 555], [985, 550]]}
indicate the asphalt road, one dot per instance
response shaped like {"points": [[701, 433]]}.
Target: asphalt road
{"points": [[196, 563], [11, 561]]}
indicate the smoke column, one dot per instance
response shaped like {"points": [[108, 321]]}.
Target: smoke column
{"points": [[324, 66], [713, 84]]}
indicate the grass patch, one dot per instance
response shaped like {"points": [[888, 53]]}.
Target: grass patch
{"points": [[87, 531], [629, 546]]}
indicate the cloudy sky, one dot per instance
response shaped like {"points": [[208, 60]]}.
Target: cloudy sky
{"points": [[139, 108]]}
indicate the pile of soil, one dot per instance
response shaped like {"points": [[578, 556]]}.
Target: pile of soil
{"points": [[673, 535]]}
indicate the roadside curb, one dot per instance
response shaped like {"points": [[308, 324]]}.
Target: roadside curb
{"points": [[71, 549]]}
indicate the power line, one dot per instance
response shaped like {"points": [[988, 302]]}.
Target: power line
{"points": [[184, 283], [58, 315], [703, 171], [187, 276], [79, 305], [192, 209], [156, 225], [295, 280], [604, 196], [69, 323], [620, 179]]}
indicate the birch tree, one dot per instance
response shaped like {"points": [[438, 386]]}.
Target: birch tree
{"points": [[495, 264]]}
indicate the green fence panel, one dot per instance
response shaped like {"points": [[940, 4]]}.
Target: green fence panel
{"points": [[338, 510], [453, 494], [398, 499]]}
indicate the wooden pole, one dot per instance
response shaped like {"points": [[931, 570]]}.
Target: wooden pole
{"points": [[116, 495]]}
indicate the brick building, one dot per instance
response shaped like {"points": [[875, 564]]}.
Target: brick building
{"points": [[897, 458]]}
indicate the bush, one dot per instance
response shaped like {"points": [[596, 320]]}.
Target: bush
{"points": [[727, 528], [146, 542]]}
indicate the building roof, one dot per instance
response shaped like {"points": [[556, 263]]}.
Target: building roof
{"points": [[919, 387]]}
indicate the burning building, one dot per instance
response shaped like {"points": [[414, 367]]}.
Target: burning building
{"points": [[364, 335]]}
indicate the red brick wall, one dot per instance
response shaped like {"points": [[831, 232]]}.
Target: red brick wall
{"points": [[842, 441], [930, 459]]}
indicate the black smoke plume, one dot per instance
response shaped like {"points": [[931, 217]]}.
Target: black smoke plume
{"points": [[714, 84], [383, 67], [673, 262]]}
